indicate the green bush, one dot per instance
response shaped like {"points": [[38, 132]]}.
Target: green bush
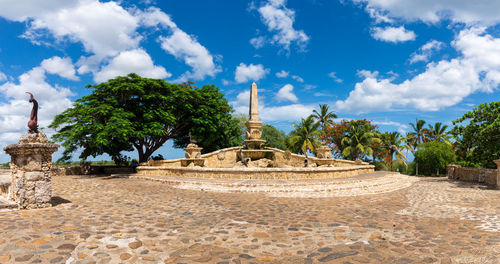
{"points": [[432, 157]]}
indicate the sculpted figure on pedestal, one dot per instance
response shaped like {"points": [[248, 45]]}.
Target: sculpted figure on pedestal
{"points": [[33, 123]]}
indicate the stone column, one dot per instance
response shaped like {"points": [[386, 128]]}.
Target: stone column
{"points": [[498, 173], [31, 176], [254, 124], [451, 169]]}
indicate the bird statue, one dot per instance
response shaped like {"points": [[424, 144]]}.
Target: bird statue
{"points": [[33, 123], [244, 158]]}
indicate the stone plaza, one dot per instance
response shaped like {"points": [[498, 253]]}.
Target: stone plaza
{"points": [[124, 220]]}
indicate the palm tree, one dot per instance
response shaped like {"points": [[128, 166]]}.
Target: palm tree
{"points": [[419, 134], [438, 133], [305, 135], [324, 117], [359, 140], [392, 142]]}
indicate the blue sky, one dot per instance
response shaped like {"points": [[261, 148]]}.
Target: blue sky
{"points": [[387, 61]]}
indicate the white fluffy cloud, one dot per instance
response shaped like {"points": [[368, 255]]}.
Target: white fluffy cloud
{"points": [[282, 74], [181, 45], [442, 84], [431, 11], [393, 34], [279, 20], [132, 61], [14, 114], [286, 94], [251, 72], [186, 48], [60, 66], [426, 51], [106, 29]]}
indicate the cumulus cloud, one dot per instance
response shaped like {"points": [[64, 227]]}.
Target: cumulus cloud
{"points": [[251, 72], [333, 75], [279, 20], [426, 51], [132, 61], [14, 113], [184, 47], [286, 94], [441, 85], [105, 30], [432, 11], [393, 34], [60, 66], [282, 74]]}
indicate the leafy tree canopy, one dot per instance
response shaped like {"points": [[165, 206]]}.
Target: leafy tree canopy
{"points": [[477, 135], [433, 157], [133, 112], [352, 139], [274, 138]]}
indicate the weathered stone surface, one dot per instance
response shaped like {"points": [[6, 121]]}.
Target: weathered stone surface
{"points": [[31, 171]]}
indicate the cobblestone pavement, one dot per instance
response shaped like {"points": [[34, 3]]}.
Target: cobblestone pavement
{"points": [[120, 220]]}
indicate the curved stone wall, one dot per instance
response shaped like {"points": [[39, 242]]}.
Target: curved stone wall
{"points": [[255, 173]]}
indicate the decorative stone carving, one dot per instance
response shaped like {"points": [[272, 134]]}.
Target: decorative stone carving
{"points": [[193, 156], [221, 156], [287, 155], [323, 152], [31, 174], [192, 151]]}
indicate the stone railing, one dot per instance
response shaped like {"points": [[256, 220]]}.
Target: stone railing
{"points": [[256, 173], [489, 177]]}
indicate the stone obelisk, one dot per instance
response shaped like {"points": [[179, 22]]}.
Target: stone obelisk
{"points": [[254, 124]]}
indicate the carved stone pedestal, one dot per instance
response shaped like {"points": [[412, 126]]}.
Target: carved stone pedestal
{"points": [[31, 162], [193, 156], [323, 152]]}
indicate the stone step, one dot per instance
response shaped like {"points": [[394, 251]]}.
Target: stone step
{"points": [[380, 183], [6, 204]]}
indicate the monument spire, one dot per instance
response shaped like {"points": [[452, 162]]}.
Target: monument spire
{"points": [[253, 124], [254, 103]]}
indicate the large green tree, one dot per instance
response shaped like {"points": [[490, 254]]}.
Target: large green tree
{"points": [[133, 112], [477, 135], [274, 138], [433, 157]]}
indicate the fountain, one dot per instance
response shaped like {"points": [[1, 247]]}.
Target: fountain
{"points": [[253, 160]]}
